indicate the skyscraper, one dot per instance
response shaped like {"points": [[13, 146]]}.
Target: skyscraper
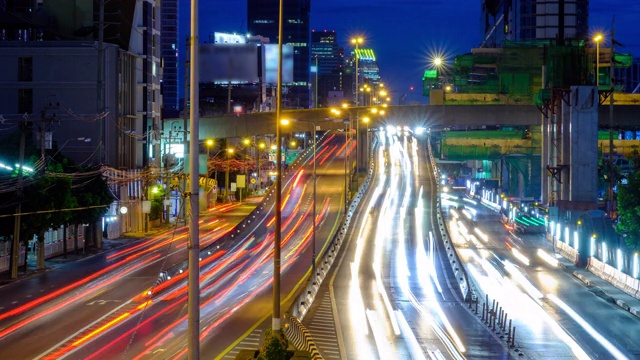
{"points": [[330, 60], [110, 72], [169, 52], [526, 20], [262, 19]]}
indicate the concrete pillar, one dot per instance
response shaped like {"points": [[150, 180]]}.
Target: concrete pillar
{"points": [[545, 145], [584, 144], [565, 149]]}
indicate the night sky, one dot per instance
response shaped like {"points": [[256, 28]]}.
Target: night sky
{"points": [[405, 34]]}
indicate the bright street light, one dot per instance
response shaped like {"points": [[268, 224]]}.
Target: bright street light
{"points": [[597, 39], [357, 41]]}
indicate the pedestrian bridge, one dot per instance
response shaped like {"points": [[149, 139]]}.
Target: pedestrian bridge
{"points": [[430, 116]]}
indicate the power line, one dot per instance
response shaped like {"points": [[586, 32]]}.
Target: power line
{"points": [[56, 210]]}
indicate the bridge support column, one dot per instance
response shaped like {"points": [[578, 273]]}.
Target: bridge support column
{"points": [[545, 147], [583, 144]]}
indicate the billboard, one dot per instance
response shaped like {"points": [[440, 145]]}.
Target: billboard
{"points": [[229, 62], [226, 38], [270, 63]]}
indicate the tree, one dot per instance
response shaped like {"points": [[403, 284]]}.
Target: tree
{"points": [[629, 210], [47, 193], [93, 197]]}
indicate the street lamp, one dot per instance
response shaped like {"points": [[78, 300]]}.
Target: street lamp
{"points": [[357, 41], [261, 146], [597, 39], [346, 143], [226, 176], [366, 121]]}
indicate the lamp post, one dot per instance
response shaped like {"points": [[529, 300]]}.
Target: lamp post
{"points": [[226, 175], [261, 146], [366, 121], [277, 236], [357, 41], [193, 303], [346, 145], [597, 39]]}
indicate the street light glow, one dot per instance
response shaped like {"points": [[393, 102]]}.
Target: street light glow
{"points": [[209, 142], [285, 122]]}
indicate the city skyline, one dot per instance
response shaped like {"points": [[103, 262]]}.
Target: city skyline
{"points": [[406, 34]]}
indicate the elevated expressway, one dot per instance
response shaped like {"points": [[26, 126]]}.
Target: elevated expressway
{"points": [[435, 116]]}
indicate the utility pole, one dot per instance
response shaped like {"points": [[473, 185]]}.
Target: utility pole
{"points": [[275, 320], [193, 306], [611, 177], [15, 245], [100, 95], [185, 123]]}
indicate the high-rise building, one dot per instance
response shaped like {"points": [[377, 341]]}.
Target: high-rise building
{"points": [[262, 19], [330, 63], [102, 83], [169, 52], [527, 20], [368, 74]]}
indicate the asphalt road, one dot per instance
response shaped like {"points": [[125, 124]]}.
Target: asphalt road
{"points": [[557, 316], [113, 306], [394, 293]]}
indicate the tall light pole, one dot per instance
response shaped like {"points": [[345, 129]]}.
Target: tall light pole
{"points": [[357, 41], [366, 121], [597, 39], [226, 175], [346, 146], [261, 146], [193, 332], [612, 202], [275, 320]]}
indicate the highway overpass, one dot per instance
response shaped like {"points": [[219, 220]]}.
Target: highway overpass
{"points": [[435, 116]]}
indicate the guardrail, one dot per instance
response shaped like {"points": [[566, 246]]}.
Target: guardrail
{"points": [[566, 251], [301, 338], [452, 255], [622, 281], [305, 299]]}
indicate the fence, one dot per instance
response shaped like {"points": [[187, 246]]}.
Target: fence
{"points": [[622, 281], [53, 246]]}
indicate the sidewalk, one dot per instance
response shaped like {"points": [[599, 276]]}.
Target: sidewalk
{"points": [[603, 288]]}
